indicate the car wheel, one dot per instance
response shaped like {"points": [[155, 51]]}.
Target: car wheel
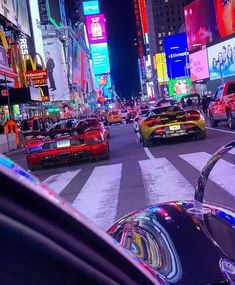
{"points": [[146, 142], [33, 167], [201, 136], [231, 120], [213, 122]]}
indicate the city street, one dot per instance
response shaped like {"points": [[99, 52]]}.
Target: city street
{"points": [[135, 177]]}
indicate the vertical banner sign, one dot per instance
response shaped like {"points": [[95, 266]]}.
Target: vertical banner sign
{"points": [[96, 29], [56, 68]]}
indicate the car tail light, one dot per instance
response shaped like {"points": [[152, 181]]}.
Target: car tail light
{"points": [[153, 122], [92, 134], [192, 116], [159, 131]]}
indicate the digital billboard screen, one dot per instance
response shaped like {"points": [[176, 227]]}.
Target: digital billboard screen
{"points": [[177, 59], [199, 65], [103, 81], [221, 59], [100, 58], [200, 22], [179, 87], [160, 64], [91, 8], [96, 29], [225, 17]]}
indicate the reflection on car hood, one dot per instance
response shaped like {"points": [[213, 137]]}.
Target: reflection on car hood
{"points": [[182, 247]]}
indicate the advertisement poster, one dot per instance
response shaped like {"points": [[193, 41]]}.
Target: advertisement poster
{"points": [[177, 58], [179, 87], [199, 65], [56, 68], [160, 65], [96, 29], [100, 58], [200, 21], [91, 8], [16, 12], [83, 70], [221, 59], [76, 64]]}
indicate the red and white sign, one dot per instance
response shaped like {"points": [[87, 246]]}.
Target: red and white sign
{"points": [[38, 77]]}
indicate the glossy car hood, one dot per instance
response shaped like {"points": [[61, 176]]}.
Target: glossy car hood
{"points": [[183, 247]]}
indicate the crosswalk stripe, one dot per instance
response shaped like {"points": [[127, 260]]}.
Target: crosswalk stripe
{"points": [[59, 181], [98, 198], [163, 182], [232, 151], [223, 174]]}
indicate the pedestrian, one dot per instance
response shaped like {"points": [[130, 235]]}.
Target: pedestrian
{"points": [[205, 105]]}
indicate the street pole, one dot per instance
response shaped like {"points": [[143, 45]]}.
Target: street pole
{"points": [[8, 97]]}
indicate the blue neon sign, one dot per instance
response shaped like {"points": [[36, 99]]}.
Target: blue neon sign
{"points": [[177, 56]]}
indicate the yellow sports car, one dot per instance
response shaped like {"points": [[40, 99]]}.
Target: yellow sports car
{"points": [[171, 121]]}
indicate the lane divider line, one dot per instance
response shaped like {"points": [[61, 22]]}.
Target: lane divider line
{"points": [[223, 131]]}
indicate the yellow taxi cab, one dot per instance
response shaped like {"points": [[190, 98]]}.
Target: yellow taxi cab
{"points": [[114, 117]]}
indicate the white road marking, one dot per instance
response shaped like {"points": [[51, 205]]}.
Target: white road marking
{"points": [[223, 131], [58, 182], [163, 182], [232, 151], [98, 199], [148, 153], [223, 173]]}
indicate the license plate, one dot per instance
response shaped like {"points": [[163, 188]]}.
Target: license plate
{"points": [[174, 128], [64, 143]]}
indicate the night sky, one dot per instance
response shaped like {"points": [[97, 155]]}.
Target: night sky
{"points": [[121, 31]]}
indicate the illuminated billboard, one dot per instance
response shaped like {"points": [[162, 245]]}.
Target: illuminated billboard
{"points": [[103, 81], [177, 59], [16, 12], [200, 21], [179, 87], [91, 8], [100, 58], [96, 29], [199, 65], [36, 27], [160, 65], [221, 59]]}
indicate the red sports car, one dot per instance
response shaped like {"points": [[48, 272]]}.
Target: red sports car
{"points": [[66, 146]]}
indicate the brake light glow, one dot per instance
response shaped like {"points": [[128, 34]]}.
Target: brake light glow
{"points": [[152, 122]]}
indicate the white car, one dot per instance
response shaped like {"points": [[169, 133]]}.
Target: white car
{"points": [[141, 115]]}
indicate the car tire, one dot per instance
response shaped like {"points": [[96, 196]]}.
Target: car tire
{"points": [[146, 143], [213, 122], [201, 136], [231, 120], [33, 167]]}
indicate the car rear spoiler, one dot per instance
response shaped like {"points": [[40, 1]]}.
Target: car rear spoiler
{"points": [[202, 181], [80, 129]]}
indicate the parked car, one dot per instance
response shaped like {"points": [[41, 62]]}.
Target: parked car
{"points": [[223, 106], [43, 240]]}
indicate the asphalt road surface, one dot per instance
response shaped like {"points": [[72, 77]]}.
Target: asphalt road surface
{"points": [[136, 177]]}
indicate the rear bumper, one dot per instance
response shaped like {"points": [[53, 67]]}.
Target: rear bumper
{"points": [[185, 130], [67, 155]]}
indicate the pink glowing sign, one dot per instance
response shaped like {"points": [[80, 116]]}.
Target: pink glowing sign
{"points": [[96, 28]]}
